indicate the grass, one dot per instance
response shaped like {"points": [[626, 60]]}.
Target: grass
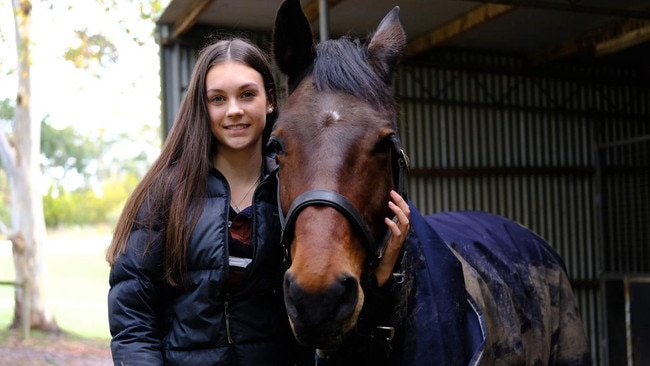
{"points": [[76, 282]]}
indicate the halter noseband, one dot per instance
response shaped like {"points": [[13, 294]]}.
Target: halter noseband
{"points": [[319, 197]]}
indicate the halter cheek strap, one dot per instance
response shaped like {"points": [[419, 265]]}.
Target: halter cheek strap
{"points": [[400, 166]]}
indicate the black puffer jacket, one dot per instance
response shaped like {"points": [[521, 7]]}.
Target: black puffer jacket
{"points": [[204, 324]]}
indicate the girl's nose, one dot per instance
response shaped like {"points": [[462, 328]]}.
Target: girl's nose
{"points": [[234, 109]]}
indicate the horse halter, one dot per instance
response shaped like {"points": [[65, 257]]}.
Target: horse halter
{"points": [[375, 248]]}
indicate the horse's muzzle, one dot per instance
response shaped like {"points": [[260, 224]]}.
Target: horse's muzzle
{"points": [[321, 319]]}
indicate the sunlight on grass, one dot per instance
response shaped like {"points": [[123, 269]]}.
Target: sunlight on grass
{"points": [[77, 282]]}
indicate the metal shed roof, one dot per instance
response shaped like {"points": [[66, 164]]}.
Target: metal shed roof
{"points": [[542, 30]]}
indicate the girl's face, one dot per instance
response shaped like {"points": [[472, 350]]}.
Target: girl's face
{"points": [[237, 106]]}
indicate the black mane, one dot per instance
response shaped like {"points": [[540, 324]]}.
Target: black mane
{"points": [[342, 65]]}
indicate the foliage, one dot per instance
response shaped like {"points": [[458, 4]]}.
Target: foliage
{"points": [[107, 180], [64, 152], [88, 48], [149, 9], [85, 207], [67, 149], [6, 110]]}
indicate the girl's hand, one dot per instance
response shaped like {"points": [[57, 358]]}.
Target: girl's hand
{"points": [[399, 233]]}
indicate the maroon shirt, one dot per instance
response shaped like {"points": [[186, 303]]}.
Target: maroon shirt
{"points": [[239, 243]]}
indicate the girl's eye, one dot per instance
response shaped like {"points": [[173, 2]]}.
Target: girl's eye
{"points": [[217, 99], [248, 94]]}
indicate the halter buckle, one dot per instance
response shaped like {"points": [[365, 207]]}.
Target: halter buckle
{"points": [[384, 333]]}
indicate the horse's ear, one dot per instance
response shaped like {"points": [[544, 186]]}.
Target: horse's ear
{"points": [[386, 45], [293, 44]]}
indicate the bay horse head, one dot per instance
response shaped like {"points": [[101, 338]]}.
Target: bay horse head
{"points": [[338, 148]]}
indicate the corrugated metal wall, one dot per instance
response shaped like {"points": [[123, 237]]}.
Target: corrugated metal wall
{"points": [[177, 64], [624, 168], [624, 190], [484, 133]]}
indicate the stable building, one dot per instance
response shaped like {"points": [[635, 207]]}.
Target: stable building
{"points": [[537, 110]]}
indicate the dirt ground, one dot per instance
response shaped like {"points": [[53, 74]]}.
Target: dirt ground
{"points": [[52, 350]]}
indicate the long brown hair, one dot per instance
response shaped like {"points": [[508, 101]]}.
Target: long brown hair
{"points": [[172, 194]]}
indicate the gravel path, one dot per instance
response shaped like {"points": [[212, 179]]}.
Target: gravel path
{"points": [[52, 350]]}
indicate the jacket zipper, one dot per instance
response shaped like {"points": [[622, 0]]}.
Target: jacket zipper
{"points": [[227, 316], [226, 313]]}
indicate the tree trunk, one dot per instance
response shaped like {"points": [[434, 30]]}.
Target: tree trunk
{"points": [[28, 220]]}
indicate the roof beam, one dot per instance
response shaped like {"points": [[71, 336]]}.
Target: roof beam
{"points": [[455, 27], [602, 41], [573, 6], [190, 17], [628, 38]]}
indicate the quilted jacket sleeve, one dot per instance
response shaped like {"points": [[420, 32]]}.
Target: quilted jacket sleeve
{"points": [[134, 298]]}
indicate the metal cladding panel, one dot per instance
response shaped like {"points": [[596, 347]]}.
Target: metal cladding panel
{"points": [[177, 64], [484, 133], [624, 168]]}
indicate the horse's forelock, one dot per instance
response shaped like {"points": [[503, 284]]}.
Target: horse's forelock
{"points": [[342, 65]]}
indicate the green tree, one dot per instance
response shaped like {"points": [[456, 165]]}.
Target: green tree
{"points": [[66, 150], [116, 191], [19, 152], [20, 144], [6, 111]]}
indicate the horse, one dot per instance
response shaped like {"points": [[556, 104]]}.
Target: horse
{"points": [[470, 287]]}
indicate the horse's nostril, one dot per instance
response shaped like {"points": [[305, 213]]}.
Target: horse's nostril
{"points": [[292, 296], [336, 303], [348, 298]]}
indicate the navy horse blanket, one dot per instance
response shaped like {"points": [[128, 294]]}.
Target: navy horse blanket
{"points": [[482, 290]]}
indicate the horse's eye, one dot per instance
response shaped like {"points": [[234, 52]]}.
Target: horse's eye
{"points": [[383, 145], [275, 146]]}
